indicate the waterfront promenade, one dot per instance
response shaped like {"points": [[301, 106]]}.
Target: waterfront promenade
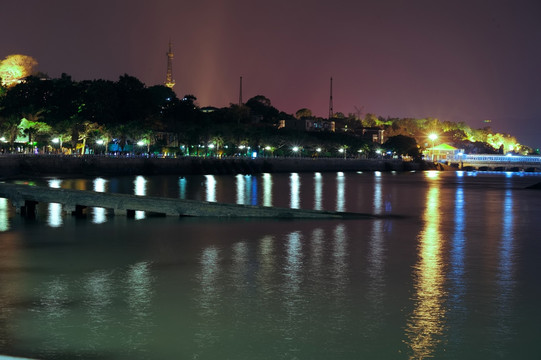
{"points": [[51, 165]]}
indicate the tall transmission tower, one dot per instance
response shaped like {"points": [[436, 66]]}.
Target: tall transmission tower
{"points": [[331, 112], [169, 82], [240, 92]]}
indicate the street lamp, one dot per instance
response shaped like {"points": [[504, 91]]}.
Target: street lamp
{"points": [[100, 143], [57, 141], [433, 137]]}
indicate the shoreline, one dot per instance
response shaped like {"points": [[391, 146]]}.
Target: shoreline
{"points": [[51, 165]]}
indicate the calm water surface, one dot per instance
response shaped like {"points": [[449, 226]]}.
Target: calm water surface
{"points": [[456, 278]]}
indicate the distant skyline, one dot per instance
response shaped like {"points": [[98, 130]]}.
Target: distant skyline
{"points": [[463, 60]]}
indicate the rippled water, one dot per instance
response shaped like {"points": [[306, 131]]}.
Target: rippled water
{"points": [[456, 278]]}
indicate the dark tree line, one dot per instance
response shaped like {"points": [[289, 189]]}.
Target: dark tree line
{"points": [[78, 115]]}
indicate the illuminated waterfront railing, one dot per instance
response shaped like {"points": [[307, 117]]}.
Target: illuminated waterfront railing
{"points": [[495, 158]]}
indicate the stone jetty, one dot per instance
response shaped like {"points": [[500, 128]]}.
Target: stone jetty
{"points": [[26, 197]]}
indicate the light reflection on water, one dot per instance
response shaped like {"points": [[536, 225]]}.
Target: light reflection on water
{"points": [[55, 209], [293, 298], [457, 272], [318, 191], [378, 194], [267, 189], [375, 292], [140, 189], [99, 214], [426, 325], [241, 192], [182, 187], [209, 299], [340, 192], [211, 188], [4, 215], [505, 276], [340, 279], [295, 190]]}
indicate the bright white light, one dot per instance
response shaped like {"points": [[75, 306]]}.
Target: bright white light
{"points": [[211, 188], [360, 150], [341, 150], [211, 146], [140, 189], [56, 140], [378, 151], [295, 148], [242, 147], [318, 149], [267, 147], [99, 142], [140, 143]]}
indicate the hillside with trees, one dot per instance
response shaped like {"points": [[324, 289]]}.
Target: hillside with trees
{"points": [[125, 116]]}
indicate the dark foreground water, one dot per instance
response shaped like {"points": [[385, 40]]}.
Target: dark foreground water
{"points": [[457, 278]]}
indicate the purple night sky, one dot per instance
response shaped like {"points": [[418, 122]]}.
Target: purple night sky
{"points": [[461, 60]]}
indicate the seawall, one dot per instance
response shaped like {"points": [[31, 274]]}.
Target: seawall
{"points": [[45, 165]]}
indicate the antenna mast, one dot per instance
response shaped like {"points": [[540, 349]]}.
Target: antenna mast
{"points": [[240, 92], [331, 113], [169, 82]]}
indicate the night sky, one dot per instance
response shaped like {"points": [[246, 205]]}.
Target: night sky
{"points": [[460, 60]]}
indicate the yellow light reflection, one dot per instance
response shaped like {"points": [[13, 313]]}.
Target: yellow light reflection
{"points": [[426, 323], [432, 174]]}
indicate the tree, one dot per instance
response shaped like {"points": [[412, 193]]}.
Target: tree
{"points": [[262, 110], [403, 145], [370, 120], [16, 67], [303, 113], [31, 125], [9, 125]]}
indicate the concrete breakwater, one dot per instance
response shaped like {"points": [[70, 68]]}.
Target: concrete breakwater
{"points": [[25, 198], [39, 165]]}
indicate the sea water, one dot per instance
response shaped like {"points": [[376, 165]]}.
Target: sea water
{"points": [[455, 276]]}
